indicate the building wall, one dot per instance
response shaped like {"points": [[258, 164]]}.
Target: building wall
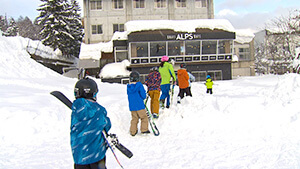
{"points": [[244, 66], [107, 16]]}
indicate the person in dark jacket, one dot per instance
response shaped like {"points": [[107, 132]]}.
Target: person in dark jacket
{"points": [[88, 120], [136, 96], [153, 81]]}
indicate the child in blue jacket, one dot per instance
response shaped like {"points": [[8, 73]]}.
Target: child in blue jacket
{"points": [[136, 95], [88, 120]]}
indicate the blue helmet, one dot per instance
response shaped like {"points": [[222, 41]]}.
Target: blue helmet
{"points": [[208, 76]]}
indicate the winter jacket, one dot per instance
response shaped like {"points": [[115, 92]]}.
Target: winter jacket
{"points": [[136, 95], [153, 81], [88, 120], [183, 78], [166, 72], [191, 78], [209, 83]]}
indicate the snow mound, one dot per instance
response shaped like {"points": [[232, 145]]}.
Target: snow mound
{"points": [[115, 70]]}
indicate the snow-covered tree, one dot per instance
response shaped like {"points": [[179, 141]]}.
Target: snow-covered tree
{"points": [[57, 20], [12, 29], [76, 28], [281, 38], [3, 23]]}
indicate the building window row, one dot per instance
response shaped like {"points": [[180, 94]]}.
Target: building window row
{"points": [[97, 29], [180, 48], [119, 4], [244, 54]]}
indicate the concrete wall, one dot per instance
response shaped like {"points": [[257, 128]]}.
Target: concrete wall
{"points": [[108, 16]]}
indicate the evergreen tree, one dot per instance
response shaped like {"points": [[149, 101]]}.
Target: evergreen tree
{"points": [[76, 28], [12, 29], [3, 23], [59, 22]]}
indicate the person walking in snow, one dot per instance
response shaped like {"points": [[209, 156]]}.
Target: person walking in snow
{"points": [[184, 82], [166, 71], [88, 120], [136, 96], [209, 83], [153, 81]]}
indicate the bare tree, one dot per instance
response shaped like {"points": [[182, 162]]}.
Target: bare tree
{"points": [[281, 39]]}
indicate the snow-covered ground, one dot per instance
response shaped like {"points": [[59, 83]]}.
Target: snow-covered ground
{"points": [[250, 122]]}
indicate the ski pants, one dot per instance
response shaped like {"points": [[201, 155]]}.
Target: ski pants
{"points": [[165, 89], [186, 91], [209, 91], [97, 165], [154, 104], [136, 115]]}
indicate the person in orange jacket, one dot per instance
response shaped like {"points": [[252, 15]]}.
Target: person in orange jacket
{"points": [[184, 82]]}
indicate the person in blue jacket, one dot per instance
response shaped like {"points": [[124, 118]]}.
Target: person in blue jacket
{"points": [[88, 120], [136, 96]]}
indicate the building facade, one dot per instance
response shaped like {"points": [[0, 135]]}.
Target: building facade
{"points": [[243, 64], [207, 50], [104, 17]]}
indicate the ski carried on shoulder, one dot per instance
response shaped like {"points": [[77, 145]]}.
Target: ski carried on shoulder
{"points": [[151, 121], [111, 139]]}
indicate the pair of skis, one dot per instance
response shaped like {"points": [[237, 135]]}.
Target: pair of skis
{"points": [[150, 118], [111, 139]]}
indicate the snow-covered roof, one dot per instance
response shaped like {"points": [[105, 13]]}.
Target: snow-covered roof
{"points": [[179, 25], [93, 51], [244, 35]]}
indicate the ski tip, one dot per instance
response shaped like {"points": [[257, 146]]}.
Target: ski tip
{"points": [[53, 92]]}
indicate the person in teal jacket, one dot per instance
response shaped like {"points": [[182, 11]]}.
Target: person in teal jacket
{"points": [[166, 71], [88, 120]]}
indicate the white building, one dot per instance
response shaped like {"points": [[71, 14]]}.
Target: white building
{"points": [[103, 17]]}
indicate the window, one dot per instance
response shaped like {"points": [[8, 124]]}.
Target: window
{"points": [[97, 29], [157, 48], [200, 3], [96, 5], [223, 47], [209, 47], [244, 54], [139, 49], [181, 3], [118, 27], [138, 3], [117, 4], [160, 3], [192, 47], [176, 48]]}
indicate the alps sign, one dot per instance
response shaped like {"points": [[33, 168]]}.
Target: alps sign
{"points": [[184, 36]]}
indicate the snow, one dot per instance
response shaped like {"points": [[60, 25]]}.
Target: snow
{"points": [[244, 35], [113, 70], [249, 122], [179, 25]]}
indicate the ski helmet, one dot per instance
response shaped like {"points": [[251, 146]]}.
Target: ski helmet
{"points": [[208, 76], [182, 65], [164, 58], [134, 76], [86, 88]]}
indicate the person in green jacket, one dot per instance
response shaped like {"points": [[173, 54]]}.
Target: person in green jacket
{"points": [[209, 83], [166, 71]]}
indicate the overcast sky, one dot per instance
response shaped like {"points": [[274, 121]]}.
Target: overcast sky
{"points": [[243, 14]]}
